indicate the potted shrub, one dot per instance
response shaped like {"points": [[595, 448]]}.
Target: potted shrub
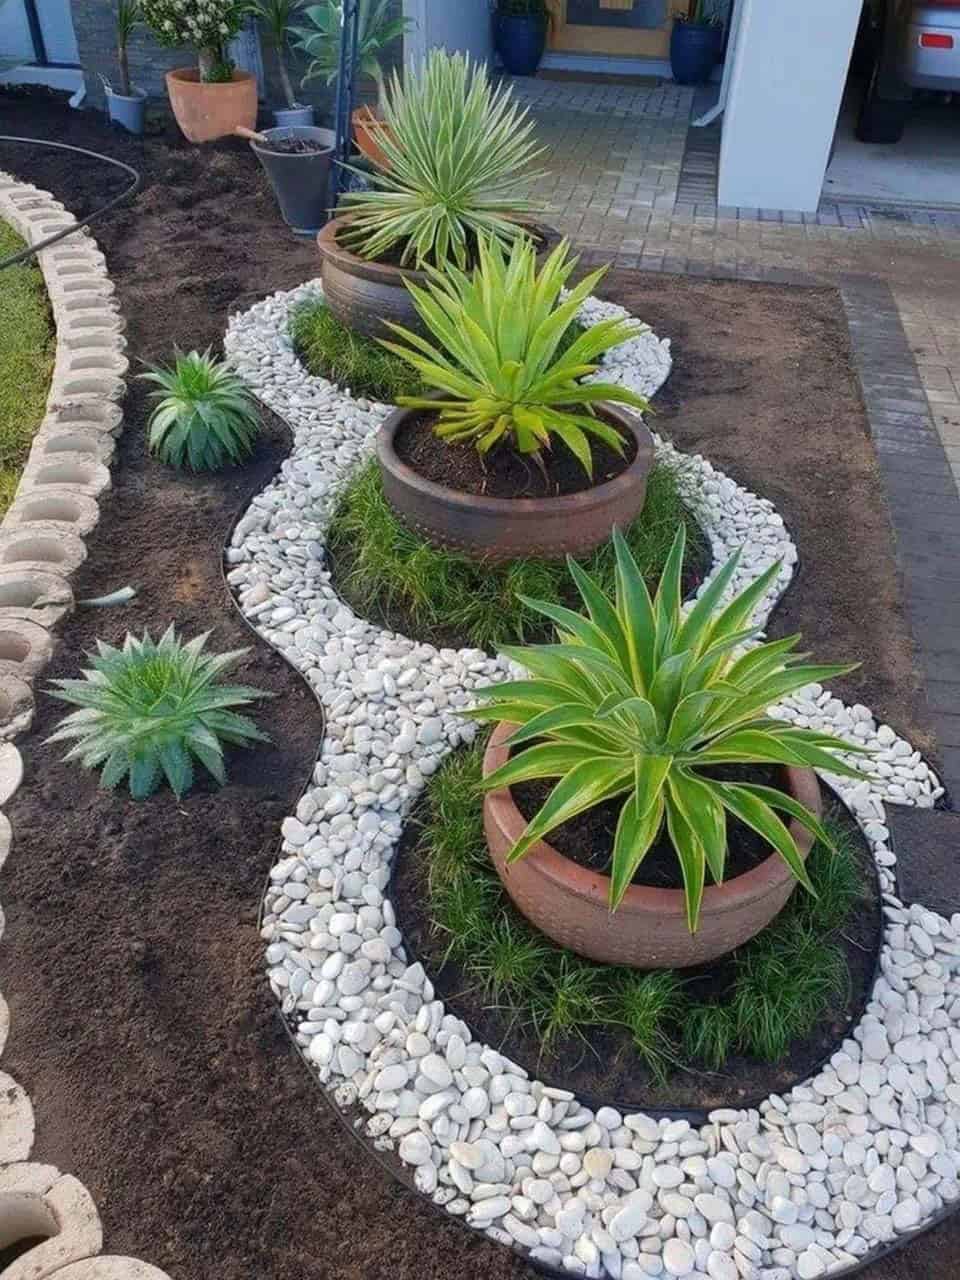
{"points": [[514, 455], [275, 17], [126, 105], [655, 723], [695, 43], [211, 99], [457, 151], [321, 42], [520, 34]]}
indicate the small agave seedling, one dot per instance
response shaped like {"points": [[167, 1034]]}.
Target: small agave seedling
{"points": [[149, 709]]}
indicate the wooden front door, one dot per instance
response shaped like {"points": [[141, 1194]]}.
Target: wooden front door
{"points": [[629, 28]]}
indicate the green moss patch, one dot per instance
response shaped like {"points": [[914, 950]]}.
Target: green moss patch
{"points": [[387, 573], [27, 352], [793, 981]]}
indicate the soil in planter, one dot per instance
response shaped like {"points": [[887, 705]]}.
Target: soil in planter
{"points": [[504, 473], [293, 147], [602, 1065], [588, 838]]}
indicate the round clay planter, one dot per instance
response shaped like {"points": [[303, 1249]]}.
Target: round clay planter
{"points": [[365, 295], [496, 529], [208, 111], [648, 930], [368, 129]]}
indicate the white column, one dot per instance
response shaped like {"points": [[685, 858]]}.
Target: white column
{"points": [[789, 71], [457, 25]]}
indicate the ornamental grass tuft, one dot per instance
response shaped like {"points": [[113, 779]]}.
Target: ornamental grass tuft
{"points": [[150, 709]]}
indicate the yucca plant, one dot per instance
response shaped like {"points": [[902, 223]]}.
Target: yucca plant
{"points": [[500, 358], [459, 151], [148, 709], [321, 41], [204, 417], [638, 700], [275, 16], [129, 17]]}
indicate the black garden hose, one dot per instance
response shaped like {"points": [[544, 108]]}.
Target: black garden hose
{"points": [[77, 226]]}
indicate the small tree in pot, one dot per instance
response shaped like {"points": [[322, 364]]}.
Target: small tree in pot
{"points": [[276, 16], [521, 34], [126, 105], [211, 99]]}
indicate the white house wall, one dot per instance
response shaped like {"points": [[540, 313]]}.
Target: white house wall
{"points": [[783, 97], [463, 25]]}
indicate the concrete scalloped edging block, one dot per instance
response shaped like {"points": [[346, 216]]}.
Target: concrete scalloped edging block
{"points": [[11, 771], [16, 1122], [65, 1213], [35, 594], [4, 1023], [110, 1269]]}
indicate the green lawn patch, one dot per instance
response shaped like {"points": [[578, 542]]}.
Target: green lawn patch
{"points": [[27, 351], [387, 573]]}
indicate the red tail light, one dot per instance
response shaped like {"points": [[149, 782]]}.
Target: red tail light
{"points": [[933, 40]]}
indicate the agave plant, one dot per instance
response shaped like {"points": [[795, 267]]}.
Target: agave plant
{"points": [[638, 700], [204, 416], [500, 358], [149, 709], [321, 41], [458, 150]]}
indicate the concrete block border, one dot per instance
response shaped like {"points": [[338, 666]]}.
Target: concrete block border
{"points": [[41, 546]]}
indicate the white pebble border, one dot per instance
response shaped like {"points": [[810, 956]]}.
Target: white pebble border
{"points": [[807, 1185], [40, 547]]}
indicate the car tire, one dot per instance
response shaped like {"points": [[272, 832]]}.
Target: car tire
{"points": [[881, 120]]}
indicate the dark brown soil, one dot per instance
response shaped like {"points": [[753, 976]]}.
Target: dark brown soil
{"points": [[764, 386], [142, 1026], [294, 147], [504, 473], [607, 1069], [588, 838]]}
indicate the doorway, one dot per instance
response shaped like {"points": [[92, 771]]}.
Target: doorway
{"points": [[628, 28]]}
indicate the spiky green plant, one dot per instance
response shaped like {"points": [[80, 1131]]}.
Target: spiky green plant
{"points": [[321, 40], [640, 701], [275, 17], [204, 417], [499, 359], [148, 709], [459, 152]]}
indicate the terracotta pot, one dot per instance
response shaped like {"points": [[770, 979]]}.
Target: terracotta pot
{"points": [[368, 129], [648, 930], [208, 111], [513, 528], [364, 295]]}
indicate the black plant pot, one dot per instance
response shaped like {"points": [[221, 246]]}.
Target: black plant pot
{"points": [[694, 49], [301, 183], [520, 42]]}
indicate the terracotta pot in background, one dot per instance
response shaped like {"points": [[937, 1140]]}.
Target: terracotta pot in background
{"points": [[368, 128], [648, 930], [208, 111], [513, 528]]}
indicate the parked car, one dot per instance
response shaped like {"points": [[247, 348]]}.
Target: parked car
{"points": [[905, 45]]}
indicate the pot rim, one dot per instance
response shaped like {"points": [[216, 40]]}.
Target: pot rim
{"points": [[384, 272], [290, 131], [575, 503], [642, 900], [138, 95], [191, 75]]}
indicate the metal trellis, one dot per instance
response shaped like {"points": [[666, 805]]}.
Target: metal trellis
{"points": [[346, 84]]}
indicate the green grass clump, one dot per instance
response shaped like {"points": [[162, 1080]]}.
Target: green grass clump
{"points": [[330, 350], [780, 985], [27, 350], [385, 567]]}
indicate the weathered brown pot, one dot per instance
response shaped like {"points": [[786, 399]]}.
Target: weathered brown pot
{"points": [[368, 129], [208, 111], [364, 295], [512, 528], [648, 930]]}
